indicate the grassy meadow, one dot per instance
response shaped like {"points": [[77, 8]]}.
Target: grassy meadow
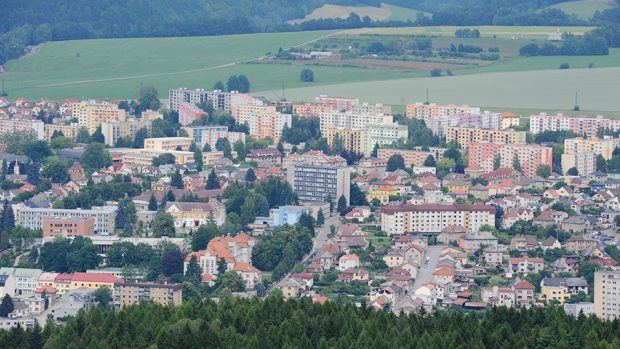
{"points": [[584, 9]]}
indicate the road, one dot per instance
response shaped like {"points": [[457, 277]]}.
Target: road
{"points": [[425, 275], [320, 238]]}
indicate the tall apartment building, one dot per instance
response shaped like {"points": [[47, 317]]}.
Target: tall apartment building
{"points": [[411, 157], [307, 110], [466, 136], [219, 99], [363, 140], [369, 108], [335, 103], [210, 134], [33, 218], [352, 120], [426, 112], [113, 130], [70, 131], [433, 218], [581, 153], [93, 113], [12, 125], [168, 143], [315, 176], [68, 226], [263, 121], [509, 120], [131, 291], [587, 126], [607, 294], [188, 113], [530, 157], [486, 120]]}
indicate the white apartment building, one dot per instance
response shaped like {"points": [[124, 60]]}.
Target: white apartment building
{"points": [[607, 294], [168, 143], [210, 134], [32, 218], [219, 99], [11, 125], [113, 130], [20, 281], [582, 153], [588, 126], [383, 135], [433, 218], [315, 176], [352, 120]]}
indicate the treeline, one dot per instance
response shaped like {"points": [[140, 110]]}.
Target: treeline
{"points": [[274, 323], [26, 23], [591, 43]]}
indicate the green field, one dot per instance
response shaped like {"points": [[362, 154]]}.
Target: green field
{"points": [[585, 9], [115, 68], [546, 89]]}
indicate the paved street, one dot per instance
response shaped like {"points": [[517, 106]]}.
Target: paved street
{"points": [[425, 275]]}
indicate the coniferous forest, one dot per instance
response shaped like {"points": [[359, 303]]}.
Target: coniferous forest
{"points": [[274, 323]]}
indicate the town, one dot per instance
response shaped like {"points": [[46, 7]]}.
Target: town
{"points": [[212, 194]]}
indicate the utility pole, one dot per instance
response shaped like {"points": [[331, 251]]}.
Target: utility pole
{"points": [[576, 107]]}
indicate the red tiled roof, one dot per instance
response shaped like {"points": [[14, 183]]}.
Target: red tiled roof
{"points": [[94, 277]]}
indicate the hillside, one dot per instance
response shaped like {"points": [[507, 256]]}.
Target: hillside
{"points": [[585, 9]]}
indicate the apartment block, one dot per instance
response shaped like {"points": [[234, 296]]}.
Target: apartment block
{"points": [[33, 218], [530, 157], [486, 120], [581, 153], [412, 157], [369, 108], [315, 176], [219, 99], [144, 157], [364, 140], [465, 136], [210, 134], [70, 131], [263, 121], [510, 120], [427, 111], [335, 103], [92, 113], [12, 125], [188, 113], [68, 226], [587, 126], [114, 130], [133, 291], [168, 143], [433, 218], [350, 120], [307, 110], [607, 294]]}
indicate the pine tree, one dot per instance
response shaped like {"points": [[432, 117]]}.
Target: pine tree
{"points": [[212, 181], [320, 218], [222, 266], [152, 203], [342, 205], [516, 163], [170, 196], [6, 307], [193, 273], [198, 159], [8, 217], [206, 148], [176, 180], [375, 150], [250, 176], [497, 162]]}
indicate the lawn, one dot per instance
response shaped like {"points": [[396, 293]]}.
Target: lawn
{"points": [[585, 9], [385, 12]]}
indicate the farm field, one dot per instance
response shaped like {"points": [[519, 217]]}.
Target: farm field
{"points": [[548, 89], [385, 12], [488, 31], [584, 9], [116, 68]]}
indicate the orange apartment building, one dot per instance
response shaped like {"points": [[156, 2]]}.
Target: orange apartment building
{"points": [[465, 136], [263, 121], [412, 157], [93, 113], [133, 291], [68, 226]]}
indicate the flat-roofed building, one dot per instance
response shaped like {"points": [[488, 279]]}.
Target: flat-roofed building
{"points": [[132, 291], [114, 130], [575, 148], [12, 125], [411, 157], [70, 131], [263, 121], [210, 134], [188, 113], [434, 218], [69, 226], [607, 294], [465, 136], [168, 143], [33, 218], [530, 156], [92, 113]]}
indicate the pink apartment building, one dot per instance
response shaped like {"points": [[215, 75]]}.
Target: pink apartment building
{"points": [[580, 125], [188, 113], [530, 157]]}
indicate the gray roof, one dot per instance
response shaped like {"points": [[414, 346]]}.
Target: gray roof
{"points": [[568, 282]]}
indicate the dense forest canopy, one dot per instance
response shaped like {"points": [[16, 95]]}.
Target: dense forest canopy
{"points": [[274, 323]]}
